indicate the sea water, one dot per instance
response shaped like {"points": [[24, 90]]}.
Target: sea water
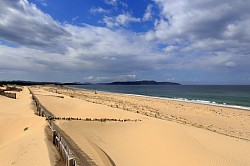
{"points": [[227, 95]]}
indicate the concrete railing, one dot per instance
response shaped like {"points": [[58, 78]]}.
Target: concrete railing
{"points": [[58, 137]]}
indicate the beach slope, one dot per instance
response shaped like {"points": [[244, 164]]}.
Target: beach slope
{"points": [[144, 139], [23, 140]]}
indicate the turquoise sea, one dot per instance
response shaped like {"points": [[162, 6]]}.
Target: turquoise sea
{"points": [[228, 95]]}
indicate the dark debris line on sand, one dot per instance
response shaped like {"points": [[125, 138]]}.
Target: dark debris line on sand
{"points": [[81, 158]]}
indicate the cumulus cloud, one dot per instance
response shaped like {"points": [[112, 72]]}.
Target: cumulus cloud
{"points": [[48, 45], [204, 32], [202, 19], [191, 35], [32, 60], [148, 13], [22, 23], [120, 20]]}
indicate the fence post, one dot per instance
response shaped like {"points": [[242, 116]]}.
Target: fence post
{"points": [[54, 136], [57, 138], [70, 161]]}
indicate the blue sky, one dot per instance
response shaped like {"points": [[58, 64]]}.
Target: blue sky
{"points": [[190, 42]]}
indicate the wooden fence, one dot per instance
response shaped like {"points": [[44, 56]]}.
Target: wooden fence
{"points": [[60, 139], [7, 94], [13, 88]]}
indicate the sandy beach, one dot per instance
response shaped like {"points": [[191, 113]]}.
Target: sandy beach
{"points": [[122, 129], [23, 140], [150, 131], [227, 121], [124, 83]]}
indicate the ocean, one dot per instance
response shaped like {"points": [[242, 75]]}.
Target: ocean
{"points": [[226, 95]]}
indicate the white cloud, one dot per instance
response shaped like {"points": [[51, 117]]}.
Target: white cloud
{"points": [[124, 19], [230, 64], [171, 79], [123, 4], [35, 29], [148, 13], [110, 21], [116, 3], [100, 10], [187, 42], [133, 76], [195, 20], [207, 34], [94, 79], [170, 49], [50, 45], [120, 20], [150, 36], [28, 59], [43, 3], [74, 19], [111, 2]]}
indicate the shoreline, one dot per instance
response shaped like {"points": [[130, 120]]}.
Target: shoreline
{"points": [[202, 134], [188, 113], [203, 102], [126, 129]]}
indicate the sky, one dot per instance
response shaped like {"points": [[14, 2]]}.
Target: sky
{"points": [[184, 41]]}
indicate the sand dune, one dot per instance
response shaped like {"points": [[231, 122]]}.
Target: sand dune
{"points": [[153, 140], [227, 121], [73, 107], [22, 139], [160, 132]]}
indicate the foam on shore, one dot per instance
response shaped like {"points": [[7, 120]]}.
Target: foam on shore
{"points": [[151, 141], [213, 103]]}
